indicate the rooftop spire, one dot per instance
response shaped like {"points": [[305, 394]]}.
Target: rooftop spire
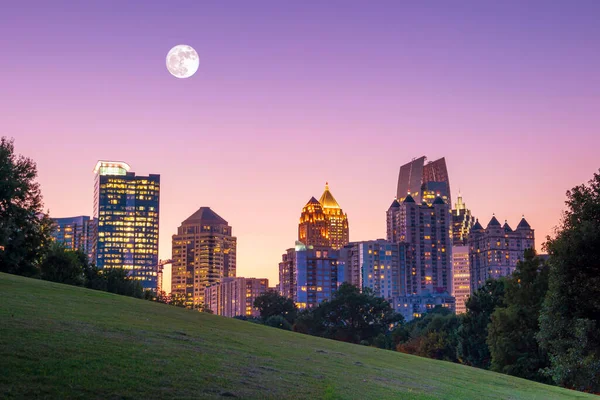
{"points": [[327, 200]]}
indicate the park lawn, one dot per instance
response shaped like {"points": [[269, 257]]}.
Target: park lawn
{"points": [[59, 341]]}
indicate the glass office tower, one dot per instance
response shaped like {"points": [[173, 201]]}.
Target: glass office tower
{"points": [[75, 233], [127, 209]]}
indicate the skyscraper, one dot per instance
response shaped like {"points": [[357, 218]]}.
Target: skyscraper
{"points": [[204, 252], [424, 182], [461, 276], [313, 229], [76, 233], [323, 223], [338, 221], [316, 275], [425, 230], [287, 271], [462, 222], [126, 207], [375, 264], [235, 296], [495, 250]]}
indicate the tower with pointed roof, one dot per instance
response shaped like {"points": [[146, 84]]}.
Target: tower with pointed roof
{"points": [[323, 223], [204, 252], [313, 229], [495, 250], [462, 222], [338, 220]]}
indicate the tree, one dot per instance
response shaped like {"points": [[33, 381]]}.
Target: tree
{"points": [[512, 332], [24, 228], [118, 281], [570, 317], [472, 348], [434, 335], [352, 316], [93, 277], [63, 266], [277, 321], [271, 304]]}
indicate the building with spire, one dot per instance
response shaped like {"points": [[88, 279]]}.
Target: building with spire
{"points": [[462, 222], [495, 250], [323, 223], [313, 229], [424, 182], [338, 221], [126, 208], [204, 252]]}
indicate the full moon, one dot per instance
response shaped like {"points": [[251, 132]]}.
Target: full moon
{"points": [[182, 61]]}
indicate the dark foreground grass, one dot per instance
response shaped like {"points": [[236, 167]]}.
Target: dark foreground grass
{"points": [[59, 341]]}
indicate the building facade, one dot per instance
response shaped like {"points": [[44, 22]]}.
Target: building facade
{"points": [[462, 222], [287, 273], [424, 182], [425, 232], [415, 306], [313, 229], [376, 264], [126, 208], [323, 223], [235, 296], [204, 253], [316, 275], [495, 250], [338, 221], [461, 276], [76, 233]]}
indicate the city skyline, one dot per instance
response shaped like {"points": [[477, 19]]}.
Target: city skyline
{"points": [[503, 97]]}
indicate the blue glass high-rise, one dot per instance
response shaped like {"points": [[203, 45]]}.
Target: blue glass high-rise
{"points": [[127, 210]]}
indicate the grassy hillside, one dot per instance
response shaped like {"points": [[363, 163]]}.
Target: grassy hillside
{"points": [[58, 341]]}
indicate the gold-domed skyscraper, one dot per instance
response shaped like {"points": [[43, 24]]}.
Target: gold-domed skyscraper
{"points": [[338, 221], [323, 223], [313, 229]]}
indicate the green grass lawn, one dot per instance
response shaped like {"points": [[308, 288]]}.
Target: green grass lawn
{"points": [[59, 341]]}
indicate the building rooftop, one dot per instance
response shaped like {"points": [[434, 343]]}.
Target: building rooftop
{"points": [[408, 199], [313, 201], [477, 226], [327, 200], [205, 215], [104, 167], [523, 224], [493, 223], [439, 200], [395, 204], [506, 227]]}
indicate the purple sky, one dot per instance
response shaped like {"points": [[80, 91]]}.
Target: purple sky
{"points": [[292, 94]]}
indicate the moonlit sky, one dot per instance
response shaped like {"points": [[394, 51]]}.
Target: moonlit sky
{"points": [[292, 94]]}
